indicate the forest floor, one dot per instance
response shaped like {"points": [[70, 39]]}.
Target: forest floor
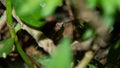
{"points": [[63, 23]]}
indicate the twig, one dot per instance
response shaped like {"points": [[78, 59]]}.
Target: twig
{"points": [[86, 60]]}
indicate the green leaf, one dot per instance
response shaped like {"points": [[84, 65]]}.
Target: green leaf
{"points": [[50, 7], [32, 22], [92, 3], [109, 6], [32, 11], [29, 11], [88, 34], [6, 47], [114, 54], [62, 58], [44, 60], [29, 6]]}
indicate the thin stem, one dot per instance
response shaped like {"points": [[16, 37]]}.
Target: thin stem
{"points": [[86, 60], [13, 34]]}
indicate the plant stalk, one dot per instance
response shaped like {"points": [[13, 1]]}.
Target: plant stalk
{"points": [[13, 34]]}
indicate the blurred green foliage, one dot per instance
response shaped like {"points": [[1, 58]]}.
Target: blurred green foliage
{"points": [[62, 58], [89, 33], [108, 6], [31, 12], [6, 47]]}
